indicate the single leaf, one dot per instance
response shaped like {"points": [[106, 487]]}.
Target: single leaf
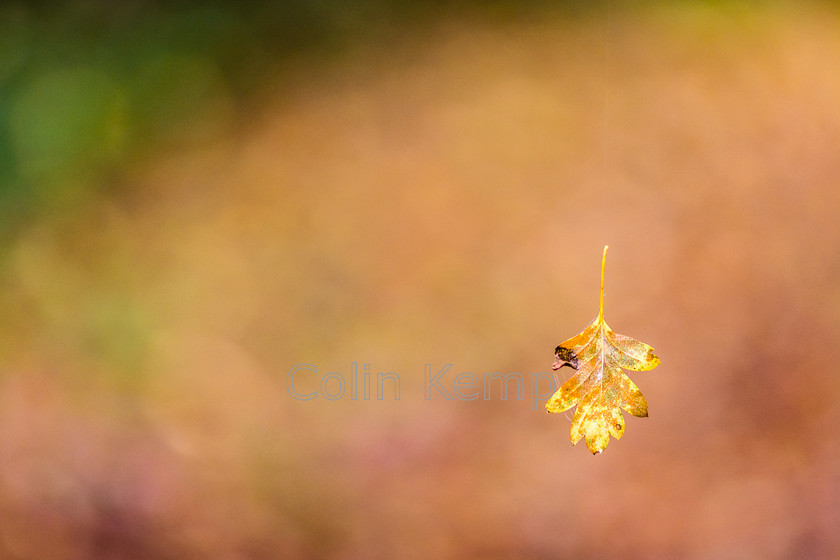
{"points": [[600, 388]]}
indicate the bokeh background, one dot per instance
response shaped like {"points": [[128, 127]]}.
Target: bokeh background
{"points": [[197, 197]]}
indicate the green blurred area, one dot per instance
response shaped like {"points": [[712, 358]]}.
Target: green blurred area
{"points": [[197, 197], [88, 86]]}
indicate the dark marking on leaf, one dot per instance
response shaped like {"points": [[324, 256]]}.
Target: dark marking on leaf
{"points": [[564, 357]]}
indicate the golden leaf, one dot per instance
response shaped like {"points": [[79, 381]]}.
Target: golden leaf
{"points": [[600, 388]]}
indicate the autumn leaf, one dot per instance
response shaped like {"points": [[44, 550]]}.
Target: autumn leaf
{"points": [[600, 388]]}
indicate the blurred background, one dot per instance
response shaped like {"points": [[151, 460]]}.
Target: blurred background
{"points": [[197, 197]]}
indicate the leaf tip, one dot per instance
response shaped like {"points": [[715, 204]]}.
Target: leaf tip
{"points": [[654, 359]]}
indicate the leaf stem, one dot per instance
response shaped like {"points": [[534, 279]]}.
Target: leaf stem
{"points": [[603, 265]]}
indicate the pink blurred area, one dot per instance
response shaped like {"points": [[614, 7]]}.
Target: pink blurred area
{"points": [[445, 200]]}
